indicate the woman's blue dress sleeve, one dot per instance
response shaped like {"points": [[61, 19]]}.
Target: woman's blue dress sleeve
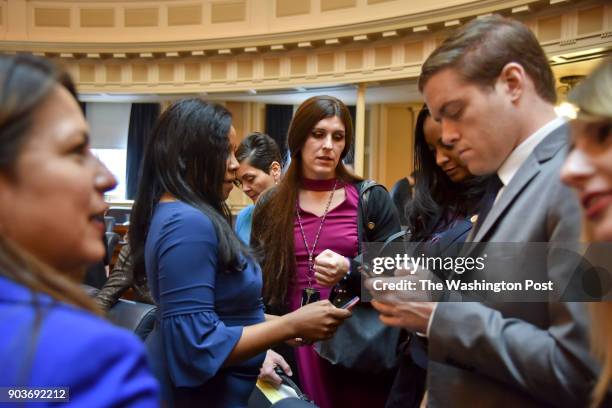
{"points": [[196, 342]]}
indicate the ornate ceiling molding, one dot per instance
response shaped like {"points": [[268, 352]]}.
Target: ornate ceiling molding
{"points": [[46, 39], [375, 51]]}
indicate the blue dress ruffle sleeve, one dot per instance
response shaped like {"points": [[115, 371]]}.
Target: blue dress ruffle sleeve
{"points": [[202, 310]]}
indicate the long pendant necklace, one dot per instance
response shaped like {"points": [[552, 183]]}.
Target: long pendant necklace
{"points": [[311, 294]]}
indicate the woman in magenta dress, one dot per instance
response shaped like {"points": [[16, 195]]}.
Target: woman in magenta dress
{"points": [[309, 230]]}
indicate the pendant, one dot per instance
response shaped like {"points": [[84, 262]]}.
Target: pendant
{"points": [[310, 295]]}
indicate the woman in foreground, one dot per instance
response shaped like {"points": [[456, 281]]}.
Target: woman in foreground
{"points": [[51, 226], [588, 168]]}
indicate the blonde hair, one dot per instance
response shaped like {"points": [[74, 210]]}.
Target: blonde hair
{"points": [[594, 101], [602, 346], [592, 96]]}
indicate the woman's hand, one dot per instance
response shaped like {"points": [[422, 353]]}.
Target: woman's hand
{"points": [[295, 342], [330, 268], [316, 321], [273, 360]]}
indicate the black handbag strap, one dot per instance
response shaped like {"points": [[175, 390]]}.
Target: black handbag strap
{"points": [[364, 194], [396, 238], [289, 382]]}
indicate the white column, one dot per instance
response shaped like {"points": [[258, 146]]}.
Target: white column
{"points": [[360, 130]]}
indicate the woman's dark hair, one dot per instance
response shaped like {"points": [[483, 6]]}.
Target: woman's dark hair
{"points": [[26, 83], [437, 200], [273, 218], [259, 150], [186, 157]]}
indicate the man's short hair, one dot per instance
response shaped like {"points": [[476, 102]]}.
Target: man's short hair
{"points": [[480, 50]]}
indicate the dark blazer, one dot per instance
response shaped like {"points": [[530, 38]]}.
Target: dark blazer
{"points": [[518, 354]]}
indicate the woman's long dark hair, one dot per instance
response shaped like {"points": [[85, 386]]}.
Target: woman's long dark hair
{"points": [[437, 200], [186, 156], [273, 218], [26, 82]]}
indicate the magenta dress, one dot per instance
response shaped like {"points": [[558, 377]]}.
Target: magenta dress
{"points": [[329, 386]]}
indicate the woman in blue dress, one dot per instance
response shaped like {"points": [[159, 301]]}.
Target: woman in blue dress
{"points": [[51, 227], [260, 169], [211, 332]]}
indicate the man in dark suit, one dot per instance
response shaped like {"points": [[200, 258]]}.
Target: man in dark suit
{"points": [[491, 88]]}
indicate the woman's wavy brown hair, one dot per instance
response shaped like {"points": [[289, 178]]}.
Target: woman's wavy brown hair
{"points": [[273, 218]]}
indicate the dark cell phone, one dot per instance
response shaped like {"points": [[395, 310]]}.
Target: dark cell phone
{"points": [[344, 300], [350, 303]]}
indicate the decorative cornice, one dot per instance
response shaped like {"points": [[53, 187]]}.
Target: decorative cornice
{"points": [[405, 25], [396, 51]]}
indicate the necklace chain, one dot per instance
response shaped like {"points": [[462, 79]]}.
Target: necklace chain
{"points": [[310, 273]]}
